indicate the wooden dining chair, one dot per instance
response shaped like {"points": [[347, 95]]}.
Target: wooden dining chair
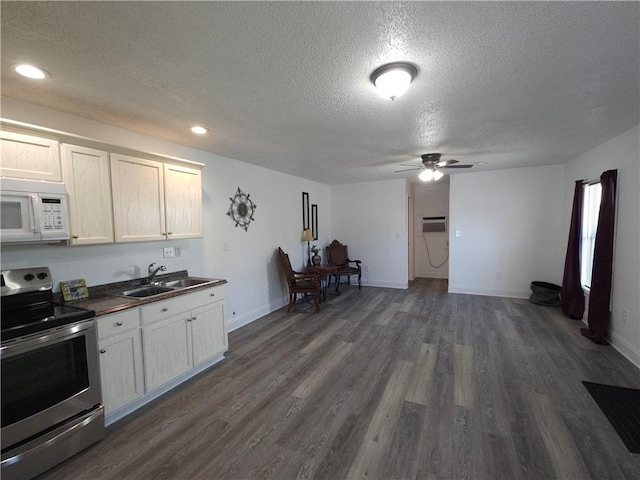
{"points": [[299, 282], [338, 255]]}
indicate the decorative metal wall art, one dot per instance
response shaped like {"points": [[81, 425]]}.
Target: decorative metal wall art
{"points": [[241, 209]]}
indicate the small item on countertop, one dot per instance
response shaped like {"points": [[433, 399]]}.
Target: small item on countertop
{"points": [[74, 289]]}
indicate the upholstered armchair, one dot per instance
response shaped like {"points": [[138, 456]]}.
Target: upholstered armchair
{"points": [[298, 282], [337, 255]]}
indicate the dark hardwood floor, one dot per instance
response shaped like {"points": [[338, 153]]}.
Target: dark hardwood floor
{"points": [[384, 384]]}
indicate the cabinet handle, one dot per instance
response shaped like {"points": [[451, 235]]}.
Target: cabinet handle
{"points": [[194, 318], [165, 309], [118, 324], [212, 294], [169, 233], [189, 319], [76, 237], [103, 350]]}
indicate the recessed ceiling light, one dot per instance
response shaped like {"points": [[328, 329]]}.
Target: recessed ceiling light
{"points": [[31, 71], [393, 79], [198, 130]]}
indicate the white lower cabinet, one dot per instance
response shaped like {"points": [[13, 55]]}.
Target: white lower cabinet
{"points": [[143, 349], [181, 333], [120, 359], [208, 332], [166, 351]]}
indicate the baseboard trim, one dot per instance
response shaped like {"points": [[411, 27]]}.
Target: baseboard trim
{"points": [[488, 292], [384, 284], [626, 349], [247, 318]]}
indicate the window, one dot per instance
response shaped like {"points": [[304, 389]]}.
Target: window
{"points": [[590, 210]]}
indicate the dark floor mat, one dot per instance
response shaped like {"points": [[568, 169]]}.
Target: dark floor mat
{"points": [[621, 406]]}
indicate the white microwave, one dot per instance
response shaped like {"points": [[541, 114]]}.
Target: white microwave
{"points": [[33, 211]]}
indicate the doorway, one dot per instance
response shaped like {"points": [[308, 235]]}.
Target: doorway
{"points": [[429, 231]]}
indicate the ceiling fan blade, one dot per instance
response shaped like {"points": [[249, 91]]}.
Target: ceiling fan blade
{"points": [[408, 169], [456, 166], [444, 163]]}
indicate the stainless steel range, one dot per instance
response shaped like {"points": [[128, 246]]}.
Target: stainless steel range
{"points": [[51, 397]]}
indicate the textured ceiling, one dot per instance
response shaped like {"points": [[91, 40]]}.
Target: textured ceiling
{"points": [[286, 85]]}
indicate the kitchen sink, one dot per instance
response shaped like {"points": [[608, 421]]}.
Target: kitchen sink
{"points": [[144, 292], [183, 282]]}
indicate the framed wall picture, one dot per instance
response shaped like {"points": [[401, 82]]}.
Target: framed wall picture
{"points": [[314, 221], [306, 223]]}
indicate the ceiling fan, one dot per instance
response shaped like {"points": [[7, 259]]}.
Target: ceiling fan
{"points": [[431, 164]]}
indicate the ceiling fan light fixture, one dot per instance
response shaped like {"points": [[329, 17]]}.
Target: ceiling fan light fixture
{"points": [[393, 79], [437, 175], [426, 175]]}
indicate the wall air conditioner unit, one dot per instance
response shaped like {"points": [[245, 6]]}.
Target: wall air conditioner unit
{"points": [[434, 225]]}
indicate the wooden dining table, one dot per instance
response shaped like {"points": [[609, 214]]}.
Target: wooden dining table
{"points": [[325, 271]]}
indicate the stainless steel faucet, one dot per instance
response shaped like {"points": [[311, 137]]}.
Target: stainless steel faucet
{"points": [[153, 272]]}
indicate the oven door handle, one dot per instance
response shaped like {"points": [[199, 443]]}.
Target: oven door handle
{"points": [[45, 338]]}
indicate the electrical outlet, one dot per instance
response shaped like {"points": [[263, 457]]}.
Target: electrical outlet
{"points": [[498, 275], [625, 316], [178, 251], [168, 252]]}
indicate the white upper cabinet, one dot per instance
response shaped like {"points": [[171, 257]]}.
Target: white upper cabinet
{"points": [[112, 197], [26, 156], [86, 175], [138, 199], [154, 200], [183, 201]]}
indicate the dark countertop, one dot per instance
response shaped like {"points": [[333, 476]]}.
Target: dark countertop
{"points": [[103, 303]]}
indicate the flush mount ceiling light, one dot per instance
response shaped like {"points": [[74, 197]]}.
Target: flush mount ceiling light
{"points": [[393, 79], [198, 130], [31, 71]]}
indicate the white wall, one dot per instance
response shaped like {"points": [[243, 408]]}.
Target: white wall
{"points": [[621, 153], [371, 219], [249, 264], [512, 230], [430, 200]]}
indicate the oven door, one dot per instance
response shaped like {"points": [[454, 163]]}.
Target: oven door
{"points": [[19, 217], [48, 379]]}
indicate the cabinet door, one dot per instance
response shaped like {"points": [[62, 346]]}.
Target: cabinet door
{"points": [[86, 175], [25, 156], [138, 199], [167, 351], [209, 332], [121, 370], [183, 201]]}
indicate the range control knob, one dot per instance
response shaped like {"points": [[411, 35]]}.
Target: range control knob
{"points": [[42, 275], [28, 277]]}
